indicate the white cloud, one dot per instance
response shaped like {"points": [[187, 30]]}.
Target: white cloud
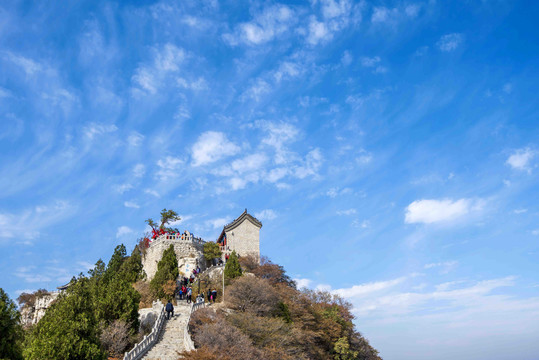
{"points": [[433, 211], [212, 146], [149, 78], [311, 165], [216, 223], [450, 42], [92, 130], [131, 204], [445, 267], [347, 212], [168, 168], [535, 232], [4, 93], [273, 22], [288, 70], [368, 288], [266, 214], [279, 135], [336, 16], [29, 66], [196, 85], [520, 159], [369, 61], [346, 58], [412, 10], [302, 282], [139, 170], [318, 32], [337, 191], [381, 14], [361, 224], [260, 87], [276, 174], [135, 139], [520, 211], [152, 192], [249, 163], [27, 225], [123, 230], [122, 188]]}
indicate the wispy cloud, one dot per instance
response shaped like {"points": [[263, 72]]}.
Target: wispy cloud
{"points": [[450, 42], [123, 231], [266, 214], [272, 22], [131, 204], [212, 146]]}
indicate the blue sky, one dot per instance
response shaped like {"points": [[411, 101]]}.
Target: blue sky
{"points": [[390, 149]]}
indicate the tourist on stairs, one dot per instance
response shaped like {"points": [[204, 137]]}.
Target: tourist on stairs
{"points": [[170, 309]]}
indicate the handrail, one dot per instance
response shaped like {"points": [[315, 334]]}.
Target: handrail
{"points": [[187, 340], [140, 349], [177, 237]]}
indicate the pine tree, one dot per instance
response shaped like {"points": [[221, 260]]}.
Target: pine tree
{"points": [[10, 328], [167, 269], [131, 269], [232, 267], [211, 251]]}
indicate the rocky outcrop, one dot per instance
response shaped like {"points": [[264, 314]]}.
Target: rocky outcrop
{"points": [[32, 313]]}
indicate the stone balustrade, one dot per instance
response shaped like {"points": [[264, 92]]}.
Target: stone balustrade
{"points": [[187, 340], [138, 351], [177, 237]]}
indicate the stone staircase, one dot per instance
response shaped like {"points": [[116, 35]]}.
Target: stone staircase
{"points": [[171, 339]]}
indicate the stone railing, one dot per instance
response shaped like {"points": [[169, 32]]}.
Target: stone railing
{"points": [[187, 340], [177, 237], [142, 347], [208, 269]]}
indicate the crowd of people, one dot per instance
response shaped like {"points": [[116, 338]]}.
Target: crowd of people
{"points": [[185, 291]]}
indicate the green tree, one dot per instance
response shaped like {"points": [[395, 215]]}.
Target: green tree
{"points": [[166, 217], [10, 328], [98, 271], [167, 269], [212, 251], [69, 328], [232, 267], [116, 299], [343, 351], [131, 269], [117, 259]]}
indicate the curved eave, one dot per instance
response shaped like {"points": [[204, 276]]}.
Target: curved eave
{"points": [[234, 224]]}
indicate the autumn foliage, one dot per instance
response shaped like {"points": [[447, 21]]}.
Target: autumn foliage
{"points": [[266, 317]]}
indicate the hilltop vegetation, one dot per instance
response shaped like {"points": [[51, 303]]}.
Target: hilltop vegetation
{"points": [[266, 317], [96, 316]]}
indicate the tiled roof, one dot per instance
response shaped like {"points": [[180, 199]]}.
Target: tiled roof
{"points": [[239, 220]]}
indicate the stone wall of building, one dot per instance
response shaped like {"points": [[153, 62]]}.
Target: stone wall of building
{"points": [[30, 315], [244, 239], [188, 252]]}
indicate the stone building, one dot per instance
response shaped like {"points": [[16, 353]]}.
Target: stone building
{"points": [[241, 235], [188, 249]]}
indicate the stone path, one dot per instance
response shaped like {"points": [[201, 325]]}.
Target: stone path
{"points": [[170, 340]]}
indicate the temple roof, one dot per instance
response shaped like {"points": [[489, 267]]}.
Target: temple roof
{"points": [[239, 220], [244, 216]]}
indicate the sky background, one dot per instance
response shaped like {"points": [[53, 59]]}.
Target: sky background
{"points": [[390, 149]]}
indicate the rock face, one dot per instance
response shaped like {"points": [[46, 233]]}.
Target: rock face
{"points": [[148, 316], [30, 315]]}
